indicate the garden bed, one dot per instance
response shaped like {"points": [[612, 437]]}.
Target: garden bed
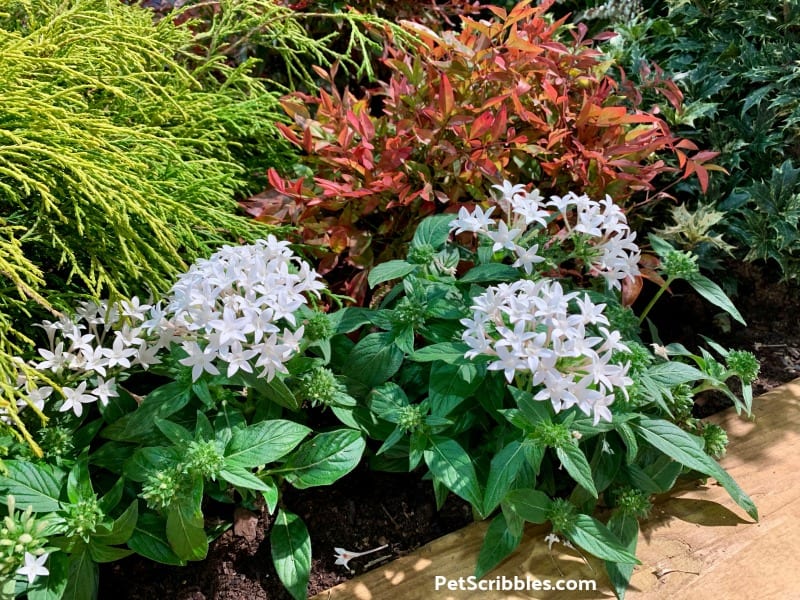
{"points": [[697, 543]]}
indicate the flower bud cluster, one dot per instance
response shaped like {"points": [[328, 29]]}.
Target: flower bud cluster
{"points": [[20, 534], [557, 339]]}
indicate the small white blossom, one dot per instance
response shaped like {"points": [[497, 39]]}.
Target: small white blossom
{"points": [[34, 566]]}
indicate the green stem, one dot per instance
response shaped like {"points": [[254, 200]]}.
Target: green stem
{"points": [[655, 298]]}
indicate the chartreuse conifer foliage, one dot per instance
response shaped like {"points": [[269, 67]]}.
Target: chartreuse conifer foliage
{"points": [[121, 151]]}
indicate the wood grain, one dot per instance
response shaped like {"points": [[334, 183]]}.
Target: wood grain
{"points": [[697, 545]]}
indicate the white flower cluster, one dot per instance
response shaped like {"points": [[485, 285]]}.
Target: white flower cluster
{"points": [[616, 255], [237, 307], [532, 328]]}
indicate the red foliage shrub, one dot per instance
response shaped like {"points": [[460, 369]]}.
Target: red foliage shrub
{"points": [[501, 100]]}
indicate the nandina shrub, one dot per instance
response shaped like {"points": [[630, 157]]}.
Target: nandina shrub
{"points": [[521, 97]]}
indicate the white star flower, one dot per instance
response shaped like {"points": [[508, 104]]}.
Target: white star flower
{"points": [[34, 566]]}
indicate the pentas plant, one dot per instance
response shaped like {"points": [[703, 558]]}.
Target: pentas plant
{"points": [[505, 364], [156, 407]]}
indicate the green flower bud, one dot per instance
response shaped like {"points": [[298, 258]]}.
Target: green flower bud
{"points": [[83, 517], [679, 265], [744, 364], [318, 327], [682, 402], [633, 502], [410, 418], [421, 254], [554, 435], [319, 386], [409, 313], [561, 514], [716, 440], [204, 458], [160, 488]]}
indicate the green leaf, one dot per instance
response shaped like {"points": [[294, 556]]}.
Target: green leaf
{"points": [[631, 445], [31, 484], [138, 425], [450, 385], [433, 231], [448, 352], [490, 273], [498, 543], [502, 471], [291, 553], [146, 460], [374, 359], [106, 554], [594, 537], [263, 443], [391, 269], [270, 494], [83, 577], [79, 483], [574, 461], [714, 294], [149, 540], [122, 529], [177, 434], [535, 411], [531, 505], [242, 478], [324, 458], [671, 373], [679, 445], [56, 582], [185, 527], [451, 465], [626, 529]]}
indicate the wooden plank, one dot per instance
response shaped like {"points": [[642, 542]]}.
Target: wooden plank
{"points": [[697, 544]]}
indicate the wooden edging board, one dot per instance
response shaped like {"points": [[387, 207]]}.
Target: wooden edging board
{"points": [[697, 544]]}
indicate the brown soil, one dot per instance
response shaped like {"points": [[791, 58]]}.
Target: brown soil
{"points": [[366, 510]]}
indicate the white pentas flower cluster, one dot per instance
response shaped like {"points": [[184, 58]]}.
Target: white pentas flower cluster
{"points": [[560, 340], [600, 225], [238, 306], [233, 311]]}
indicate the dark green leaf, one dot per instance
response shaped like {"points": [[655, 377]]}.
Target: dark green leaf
{"points": [[531, 505], [448, 352], [374, 359], [490, 273], [83, 578], [451, 465], [433, 231], [324, 458], [242, 478], [577, 466], [626, 529], [263, 443], [177, 434], [714, 294], [670, 374], [498, 544], [503, 470], [122, 529], [149, 540], [391, 269], [31, 484], [450, 385], [185, 527], [594, 537], [79, 484], [687, 450], [107, 554], [291, 553]]}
